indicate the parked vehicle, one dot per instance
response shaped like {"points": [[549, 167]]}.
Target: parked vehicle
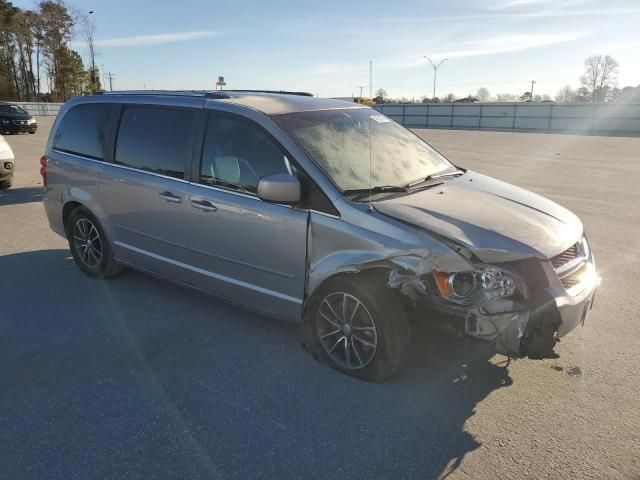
{"points": [[14, 119], [318, 211], [7, 162]]}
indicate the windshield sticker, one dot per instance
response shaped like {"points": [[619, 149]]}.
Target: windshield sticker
{"points": [[380, 118]]}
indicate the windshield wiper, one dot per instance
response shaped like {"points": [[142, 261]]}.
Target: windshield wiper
{"points": [[429, 178], [377, 189]]}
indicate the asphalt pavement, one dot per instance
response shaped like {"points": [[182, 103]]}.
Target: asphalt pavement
{"points": [[135, 377]]}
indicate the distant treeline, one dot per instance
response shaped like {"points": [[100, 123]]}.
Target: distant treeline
{"points": [[35, 54]]}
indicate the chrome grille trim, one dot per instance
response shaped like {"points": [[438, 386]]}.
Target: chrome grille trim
{"points": [[570, 264], [569, 254]]}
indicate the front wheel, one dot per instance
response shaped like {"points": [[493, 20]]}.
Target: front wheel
{"points": [[89, 246], [359, 328]]}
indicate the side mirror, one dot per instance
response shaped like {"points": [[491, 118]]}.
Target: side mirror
{"points": [[279, 188]]}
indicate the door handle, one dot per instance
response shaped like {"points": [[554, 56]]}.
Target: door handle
{"points": [[170, 197], [204, 205]]}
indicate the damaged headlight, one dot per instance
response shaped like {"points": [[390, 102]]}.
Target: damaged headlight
{"points": [[476, 286]]}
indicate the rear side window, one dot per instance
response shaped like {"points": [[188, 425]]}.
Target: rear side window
{"points": [[237, 154], [82, 130], [156, 139]]}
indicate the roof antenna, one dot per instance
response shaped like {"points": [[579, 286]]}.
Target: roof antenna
{"points": [[370, 159]]}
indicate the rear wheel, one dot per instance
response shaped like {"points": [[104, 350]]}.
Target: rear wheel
{"points": [[359, 328], [89, 246]]}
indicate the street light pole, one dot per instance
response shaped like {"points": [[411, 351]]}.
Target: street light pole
{"points": [[531, 93], [435, 74]]}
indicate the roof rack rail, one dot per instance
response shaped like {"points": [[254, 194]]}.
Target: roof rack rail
{"points": [[281, 92], [173, 93], [197, 93]]}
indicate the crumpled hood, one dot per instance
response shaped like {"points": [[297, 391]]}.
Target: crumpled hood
{"points": [[495, 220]]}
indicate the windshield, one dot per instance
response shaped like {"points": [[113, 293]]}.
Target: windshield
{"points": [[11, 109], [345, 142]]}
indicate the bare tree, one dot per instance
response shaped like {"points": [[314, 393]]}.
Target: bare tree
{"points": [[599, 77], [382, 93], [483, 94], [506, 97], [449, 97], [566, 94], [88, 33]]}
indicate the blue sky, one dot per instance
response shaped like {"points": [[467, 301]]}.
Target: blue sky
{"points": [[324, 47]]}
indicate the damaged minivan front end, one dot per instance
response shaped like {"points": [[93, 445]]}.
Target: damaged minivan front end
{"points": [[417, 238], [522, 306]]}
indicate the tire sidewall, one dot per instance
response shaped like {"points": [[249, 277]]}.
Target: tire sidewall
{"points": [[100, 269], [389, 317]]}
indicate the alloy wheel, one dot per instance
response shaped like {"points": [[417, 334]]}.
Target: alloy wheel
{"points": [[87, 242], [347, 331]]}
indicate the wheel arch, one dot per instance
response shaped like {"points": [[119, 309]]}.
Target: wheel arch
{"points": [[76, 197], [377, 276], [67, 209]]}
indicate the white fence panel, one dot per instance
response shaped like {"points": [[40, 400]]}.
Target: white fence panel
{"points": [[623, 119], [40, 109]]}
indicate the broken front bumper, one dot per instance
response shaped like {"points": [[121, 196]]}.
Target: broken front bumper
{"points": [[574, 310], [532, 327], [552, 314]]}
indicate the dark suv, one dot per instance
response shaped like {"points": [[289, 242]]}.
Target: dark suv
{"points": [[14, 119]]}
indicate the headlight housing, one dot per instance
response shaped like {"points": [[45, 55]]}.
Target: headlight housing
{"points": [[32, 121], [477, 286], [4, 122]]}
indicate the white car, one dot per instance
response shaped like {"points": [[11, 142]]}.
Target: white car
{"points": [[6, 164]]}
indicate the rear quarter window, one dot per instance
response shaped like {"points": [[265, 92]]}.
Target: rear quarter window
{"points": [[82, 129]]}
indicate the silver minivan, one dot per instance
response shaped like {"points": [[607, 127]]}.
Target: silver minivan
{"points": [[318, 211]]}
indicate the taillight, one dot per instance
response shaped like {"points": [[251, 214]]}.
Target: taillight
{"points": [[43, 169]]}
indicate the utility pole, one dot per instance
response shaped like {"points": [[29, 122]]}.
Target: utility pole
{"points": [[531, 97], [370, 78], [435, 74], [361, 87], [110, 76]]}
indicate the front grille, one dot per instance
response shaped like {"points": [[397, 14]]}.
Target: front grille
{"points": [[575, 278], [20, 122], [565, 257]]}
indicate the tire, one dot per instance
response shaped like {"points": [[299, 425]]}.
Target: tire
{"points": [[89, 245], [32, 133], [369, 354], [6, 183]]}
